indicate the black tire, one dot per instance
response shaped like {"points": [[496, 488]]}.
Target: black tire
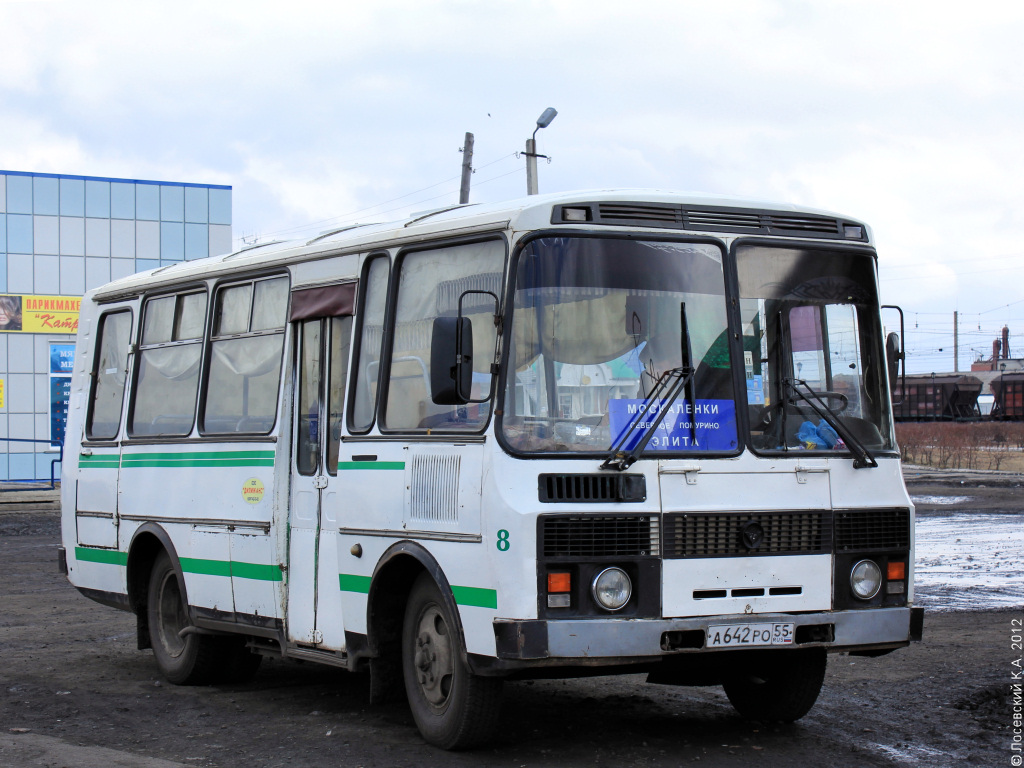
{"points": [[452, 707], [192, 659], [783, 687]]}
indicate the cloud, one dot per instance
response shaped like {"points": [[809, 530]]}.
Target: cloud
{"points": [[907, 115]]}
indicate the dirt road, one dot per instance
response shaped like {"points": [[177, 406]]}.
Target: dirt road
{"points": [[75, 692]]}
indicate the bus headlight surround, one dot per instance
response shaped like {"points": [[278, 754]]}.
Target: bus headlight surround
{"points": [[866, 579], [612, 589]]}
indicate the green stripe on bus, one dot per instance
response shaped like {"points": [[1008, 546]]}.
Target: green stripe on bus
{"points": [[349, 582], [257, 571], [200, 459], [184, 459], [108, 556], [371, 465], [107, 461], [476, 596], [205, 567], [473, 596]]}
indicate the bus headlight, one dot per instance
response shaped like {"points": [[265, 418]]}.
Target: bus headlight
{"points": [[866, 579], [612, 588]]}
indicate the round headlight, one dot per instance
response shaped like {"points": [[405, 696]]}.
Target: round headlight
{"points": [[612, 588], [866, 579]]}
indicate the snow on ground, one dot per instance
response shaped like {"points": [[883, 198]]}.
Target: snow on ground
{"points": [[969, 561]]}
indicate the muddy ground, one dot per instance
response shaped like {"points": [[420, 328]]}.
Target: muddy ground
{"points": [[75, 692]]}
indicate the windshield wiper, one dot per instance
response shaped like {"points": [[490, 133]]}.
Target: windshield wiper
{"points": [[666, 389], [862, 457]]}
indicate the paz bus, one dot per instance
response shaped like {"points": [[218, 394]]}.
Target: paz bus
{"points": [[598, 432]]}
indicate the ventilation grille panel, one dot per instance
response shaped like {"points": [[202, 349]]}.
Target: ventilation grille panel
{"points": [[593, 488], [599, 536], [434, 489], [872, 529], [703, 218]]}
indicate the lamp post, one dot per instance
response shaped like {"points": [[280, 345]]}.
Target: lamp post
{"points": [[531, 150]]}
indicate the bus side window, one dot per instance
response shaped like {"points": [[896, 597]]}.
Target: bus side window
{"points": [[430, 285], [246, 346], [341, 335], [111, 367], [374, 290], [164, 398]]}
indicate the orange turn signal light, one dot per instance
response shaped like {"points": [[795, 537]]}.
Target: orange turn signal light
{"points": [[559, 582], [897, 571]]}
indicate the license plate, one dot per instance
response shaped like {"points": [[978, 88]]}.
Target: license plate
{"points": [[748, 635]]}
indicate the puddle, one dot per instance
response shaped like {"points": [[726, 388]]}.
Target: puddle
{"points": [[941, 501], [969, 561]]}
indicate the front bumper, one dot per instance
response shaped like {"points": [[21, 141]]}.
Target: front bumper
{"points": [[615, 640]]}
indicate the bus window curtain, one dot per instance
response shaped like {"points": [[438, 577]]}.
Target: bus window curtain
{"points": [[323, 301]]}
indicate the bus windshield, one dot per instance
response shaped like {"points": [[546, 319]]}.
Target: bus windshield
{"points": [[596, 323], [812, 350]]}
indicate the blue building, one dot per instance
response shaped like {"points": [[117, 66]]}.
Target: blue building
{"points": [[60, 236]]}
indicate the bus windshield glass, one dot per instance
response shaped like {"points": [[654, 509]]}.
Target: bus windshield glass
{"points": [[596, 324], [812, 350]]}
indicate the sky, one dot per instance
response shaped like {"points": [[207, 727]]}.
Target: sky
{"points": [[907, 115]]}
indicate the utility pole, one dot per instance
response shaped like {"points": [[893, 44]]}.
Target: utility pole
{"points": [[956, 344], [467, 169], [531, 150], [531, 166]]}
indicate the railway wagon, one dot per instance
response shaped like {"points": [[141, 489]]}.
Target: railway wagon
{"points": [[1009, 393], [937, 398]]}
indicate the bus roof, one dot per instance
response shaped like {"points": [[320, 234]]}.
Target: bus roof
{"points": [[624, 208]]}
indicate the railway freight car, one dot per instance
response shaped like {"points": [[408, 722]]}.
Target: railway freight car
{"points": [[1009, 393], [937, 398]]}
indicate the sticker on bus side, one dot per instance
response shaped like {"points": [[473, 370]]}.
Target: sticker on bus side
{"points": [[253, 490]]}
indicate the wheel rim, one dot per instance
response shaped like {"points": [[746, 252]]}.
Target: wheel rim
{"points": [[434, 662], [171, 614]]}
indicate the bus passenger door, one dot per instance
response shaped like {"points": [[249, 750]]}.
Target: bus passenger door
{"points": [[314, 600]]}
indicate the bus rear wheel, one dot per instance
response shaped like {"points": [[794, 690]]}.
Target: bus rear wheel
{"points": [[184, 659], [452, 707], [781, 689]]}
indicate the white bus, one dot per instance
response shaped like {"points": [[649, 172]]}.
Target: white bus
{"points": [[610, 431]]}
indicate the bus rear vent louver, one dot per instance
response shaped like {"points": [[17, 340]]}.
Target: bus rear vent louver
{"points": [[591, 488], [702, 218]]}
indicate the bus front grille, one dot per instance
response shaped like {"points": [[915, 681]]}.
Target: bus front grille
{"points": [[731, 534], [587, 536], [872, 529]]}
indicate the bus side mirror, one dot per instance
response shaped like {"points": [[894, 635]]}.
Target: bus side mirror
{"points": [[893, 355], [451, 360]]}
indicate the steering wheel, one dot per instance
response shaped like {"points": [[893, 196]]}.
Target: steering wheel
{"points": [[763, 416], [842, 400]]}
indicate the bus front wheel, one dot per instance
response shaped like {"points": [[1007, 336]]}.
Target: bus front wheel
{"points": [[452, 707], [783, 689]]}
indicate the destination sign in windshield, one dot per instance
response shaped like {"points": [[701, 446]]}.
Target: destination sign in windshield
{"points": [[713, 425]]}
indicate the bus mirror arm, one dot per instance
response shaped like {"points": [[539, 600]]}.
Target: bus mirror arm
{"points": [[895, 354]]}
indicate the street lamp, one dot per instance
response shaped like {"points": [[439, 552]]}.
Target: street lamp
{"points": [[531, 150]]}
